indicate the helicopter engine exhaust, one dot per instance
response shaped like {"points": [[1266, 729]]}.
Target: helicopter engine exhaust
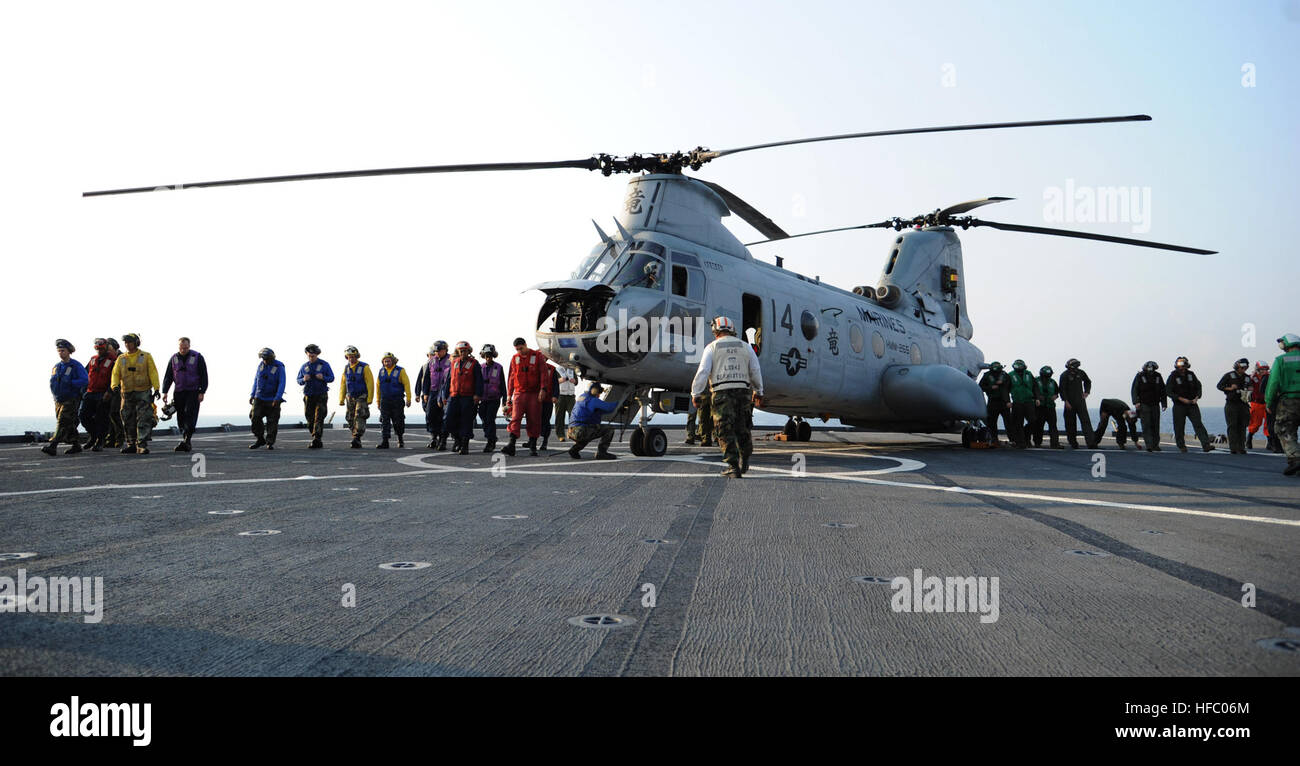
{"points": [[888, 296]]}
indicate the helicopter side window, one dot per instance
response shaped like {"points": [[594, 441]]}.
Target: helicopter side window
{"points": [[688, 283]]}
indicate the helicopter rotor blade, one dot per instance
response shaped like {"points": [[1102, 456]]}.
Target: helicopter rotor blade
{"points": [[590, 163], [709, 155], [823, 231], [1085, 235], [748, 213], [966, 207]]}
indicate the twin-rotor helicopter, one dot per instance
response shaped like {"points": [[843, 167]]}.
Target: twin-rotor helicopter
{"points": [[635, 313]]}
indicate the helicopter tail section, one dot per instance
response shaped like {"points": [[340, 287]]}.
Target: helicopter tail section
{"points": [[924, 276]]}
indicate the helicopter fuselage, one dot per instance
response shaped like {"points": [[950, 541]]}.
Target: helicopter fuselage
{"points": [[637, 313]]}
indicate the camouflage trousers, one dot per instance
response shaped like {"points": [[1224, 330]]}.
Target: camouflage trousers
{"points": [[584, 435], [315, 408], [66, 415], [730, 412], [704, 417], [358, 413], [1287, 420], [137, 416]]}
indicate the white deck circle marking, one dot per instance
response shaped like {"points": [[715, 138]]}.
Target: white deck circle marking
{"points": [[230, 512], [17, 556], [510, 517], [259, 532], [852, 476]]}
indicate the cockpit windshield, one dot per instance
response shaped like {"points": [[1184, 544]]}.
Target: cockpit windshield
{"points": [[599, 265], [595, 265]]}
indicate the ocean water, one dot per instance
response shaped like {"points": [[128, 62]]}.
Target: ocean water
{"points": [[1212, 416]]}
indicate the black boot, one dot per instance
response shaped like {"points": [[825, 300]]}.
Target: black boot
{"points": [[128, 448], [258, 443], [545, 439], [1292, 467], [356, 443], [433, 443], [97, 445], [401, 444], [1250, 441], [491, 445], [442, 443], [383, 444], [315, 443], [574, 453], [509, 449], [464, 447], [532, 447], [603, 455], [52, 449]]}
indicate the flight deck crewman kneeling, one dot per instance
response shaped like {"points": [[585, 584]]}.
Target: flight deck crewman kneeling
{"points": [[730, 368], [585, 425]]}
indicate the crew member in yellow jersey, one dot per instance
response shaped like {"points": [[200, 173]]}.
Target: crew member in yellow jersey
{"points": [[135, 380]]}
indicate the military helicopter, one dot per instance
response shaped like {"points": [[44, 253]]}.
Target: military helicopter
{"points": [[635, 313]]}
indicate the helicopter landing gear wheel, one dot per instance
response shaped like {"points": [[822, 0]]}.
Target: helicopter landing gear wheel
{"points": [[804, 430], [654, 443], [637, 443]]}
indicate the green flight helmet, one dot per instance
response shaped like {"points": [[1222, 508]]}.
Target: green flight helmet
{"points": [[1288, 341], [995, 367], [1019, 365], [1045, 371]]}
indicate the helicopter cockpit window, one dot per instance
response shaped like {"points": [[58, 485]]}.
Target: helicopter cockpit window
{"points": [[641, 270], [652, 247], [688, 283], [596, 264]]}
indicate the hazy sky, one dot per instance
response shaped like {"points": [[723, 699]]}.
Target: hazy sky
{"points": [[99, 95]]}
